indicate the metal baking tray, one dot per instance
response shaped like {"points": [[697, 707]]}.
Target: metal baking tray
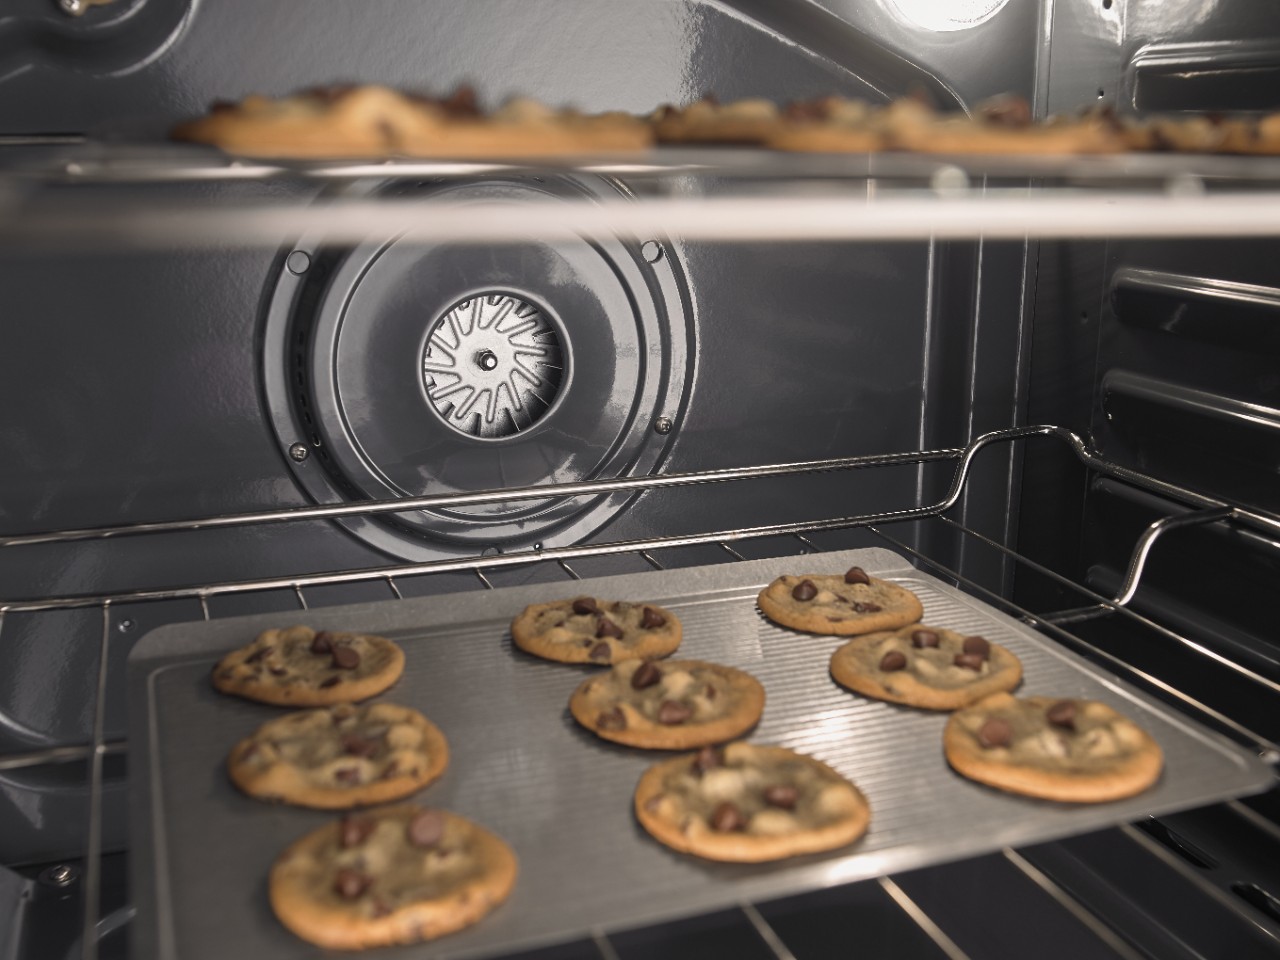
{"points": [[562, 798]]}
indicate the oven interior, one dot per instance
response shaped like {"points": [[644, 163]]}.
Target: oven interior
{"points": [[1049, 423]]}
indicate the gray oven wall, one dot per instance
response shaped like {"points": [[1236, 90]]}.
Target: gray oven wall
{"points": [[134, 382]]}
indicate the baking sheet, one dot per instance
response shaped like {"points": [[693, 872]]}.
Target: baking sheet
{"points": [[562, 798]]}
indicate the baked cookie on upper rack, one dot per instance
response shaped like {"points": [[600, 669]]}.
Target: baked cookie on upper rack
{"points": [[339, 757], [587, 630], [372, 122], [747, 803], [922, 666], [298, 667], [847, 605], [392, 875], [1075, 750], [668, 705]]}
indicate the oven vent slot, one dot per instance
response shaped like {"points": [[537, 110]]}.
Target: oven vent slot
{"points": [[1206, 440], [1243, 316], [1219, 75], [1255, 896], [1184, 848]]}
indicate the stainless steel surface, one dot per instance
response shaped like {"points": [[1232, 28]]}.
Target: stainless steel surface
{"points": [[1148, 540], [204, 850], [93, 851]]}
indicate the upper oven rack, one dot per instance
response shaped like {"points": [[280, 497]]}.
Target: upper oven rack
{"points": [[114, 197]]}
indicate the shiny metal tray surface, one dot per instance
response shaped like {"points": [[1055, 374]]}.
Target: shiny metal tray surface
{"points": [[562, 798]]}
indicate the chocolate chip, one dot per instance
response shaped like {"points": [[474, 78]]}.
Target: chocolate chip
{"points": [[709, 692], [322, 642], [856, 575], [866, 607], [923, 638], [613, 719], [1062, 714], [782, 795], [652, 619], [708, 758], [257, 655], [804, 590], [588, 643], [978, 645], [893, 660], [601, 651], [461, 103], [996, 732], [353, 831], [344, 658], [726, 818], [970, 661], [646, 675], [426, 828], [358, 746], [331, 682], [277, 671], [607, 628], [350, 884], [673, 713], [585, 605], [347, 774]]}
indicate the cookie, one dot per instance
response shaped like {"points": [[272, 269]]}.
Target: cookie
{"points": [[1076, 750], [672, 705], [748, 803], [829, 125], [298, 667], [586, 630], [339, 757], [707, 121], [929, 667], [372, 122], [843, 605], [393, 875]]}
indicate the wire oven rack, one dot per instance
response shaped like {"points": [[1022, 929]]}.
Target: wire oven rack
{"points": [[60, 194], [1200, 510]]}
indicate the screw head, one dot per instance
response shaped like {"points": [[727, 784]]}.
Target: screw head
{"points": [[298, 262], [73, 7], [662, 425], [651, 250], [299, 452], [124, 626], [62, 875], [486, 360]]}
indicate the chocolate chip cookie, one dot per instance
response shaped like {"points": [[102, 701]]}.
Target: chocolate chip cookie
{"points": [[707, 121], [298, 667], [393, 875], [748, 803], [922, 666], [848, 605], [587, 630], [671, 705], [377, 122], [1076, 750], [340, 756]]}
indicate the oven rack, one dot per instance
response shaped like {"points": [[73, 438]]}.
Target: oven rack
{"points": [[113, 197], [1201, 510], [35, 161]]}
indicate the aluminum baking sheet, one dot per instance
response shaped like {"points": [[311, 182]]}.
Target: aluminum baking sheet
{"points": [[562, 798]]}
